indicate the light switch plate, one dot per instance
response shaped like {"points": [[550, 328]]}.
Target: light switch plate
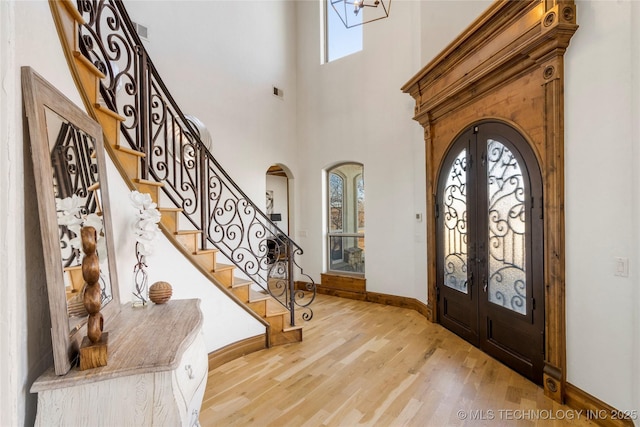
{"points": [[622, 267]]}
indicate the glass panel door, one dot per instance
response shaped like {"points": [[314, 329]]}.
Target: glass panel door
{"points": [[490, 275], [506, 228], [454, 203]]}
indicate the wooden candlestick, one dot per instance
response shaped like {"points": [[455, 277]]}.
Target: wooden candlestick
{"points": [[93, 350]]}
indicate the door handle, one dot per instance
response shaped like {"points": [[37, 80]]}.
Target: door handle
{"points": [[484, 288]]}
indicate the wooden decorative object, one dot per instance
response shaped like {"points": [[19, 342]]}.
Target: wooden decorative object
{"points": [[509, 66], [93, 351], [160, 292]]}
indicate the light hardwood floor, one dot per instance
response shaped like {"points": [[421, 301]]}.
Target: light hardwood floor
{"points": [[369, 364]]}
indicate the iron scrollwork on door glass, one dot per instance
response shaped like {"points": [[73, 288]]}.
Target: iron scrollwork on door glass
{"points": [[506, 228], [455, 225]]}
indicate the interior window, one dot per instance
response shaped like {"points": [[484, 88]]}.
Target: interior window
{"points": [[346, 217], [340, 41]]}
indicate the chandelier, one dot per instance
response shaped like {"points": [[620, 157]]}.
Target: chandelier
{"points": [[353, 13]]}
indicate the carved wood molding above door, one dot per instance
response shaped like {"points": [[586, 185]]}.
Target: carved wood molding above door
{"points": [[507, 65]]}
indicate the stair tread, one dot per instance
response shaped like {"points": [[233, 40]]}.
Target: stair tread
{"points": [[255, 296], [106, 110], [292, 328], [186, 232], [130, 151], [147, 182], [170, 209], [274, 308], [206, 251], [73, 11], [221, 267], [238, 283], [88, 64]]}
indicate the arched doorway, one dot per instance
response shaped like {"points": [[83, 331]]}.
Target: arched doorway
{"points": [[489, 244], [278, 200]]}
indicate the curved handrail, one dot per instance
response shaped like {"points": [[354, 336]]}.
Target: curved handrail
{"points": [[175, 155]]}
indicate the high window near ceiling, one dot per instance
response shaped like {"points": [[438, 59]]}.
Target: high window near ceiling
{"points": [[345, 216], [339, 41]]}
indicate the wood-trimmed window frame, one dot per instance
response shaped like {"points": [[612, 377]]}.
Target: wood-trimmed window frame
{"points": [[507, 65]]}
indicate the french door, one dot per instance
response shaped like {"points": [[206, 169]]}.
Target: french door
{"points": [[489, 237]]}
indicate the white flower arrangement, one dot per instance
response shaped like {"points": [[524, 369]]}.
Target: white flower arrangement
{"points": [[71, 214], [145, 228]]}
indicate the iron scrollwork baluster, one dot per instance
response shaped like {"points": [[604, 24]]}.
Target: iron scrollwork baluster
{"points": [[175, 155]]}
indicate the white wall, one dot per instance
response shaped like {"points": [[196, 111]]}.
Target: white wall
{"points": [[353, 110], [24, 331], [601, 96], [442, 21], [635, 259]]}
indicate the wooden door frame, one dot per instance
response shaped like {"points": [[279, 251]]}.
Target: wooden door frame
{"points": [[507, 65]]}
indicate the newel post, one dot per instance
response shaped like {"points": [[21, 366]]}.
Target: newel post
{"points": [[292, 290]]}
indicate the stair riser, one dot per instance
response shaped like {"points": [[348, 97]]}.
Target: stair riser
{"points": [[129, 162], [285, 337], [76, 279], [189, 241], [242, 292], [170, 220], [207, 260], [151, 189], [89, 81], [110, 127], [225, 276], [277, 323], [260, 307]]}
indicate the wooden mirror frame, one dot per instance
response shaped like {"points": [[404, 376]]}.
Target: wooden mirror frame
{"points": [[38, 97], [507, 65]]}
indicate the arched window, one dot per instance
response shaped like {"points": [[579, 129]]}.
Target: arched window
{"points": [[345, 217]]}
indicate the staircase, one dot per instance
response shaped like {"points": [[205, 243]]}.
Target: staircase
{"points": [[157, 151]]}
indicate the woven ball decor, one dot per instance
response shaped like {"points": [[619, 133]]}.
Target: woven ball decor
{"points": [[160, 292]]}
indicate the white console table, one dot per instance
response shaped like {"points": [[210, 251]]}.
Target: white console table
{"points": [[155, 376]]}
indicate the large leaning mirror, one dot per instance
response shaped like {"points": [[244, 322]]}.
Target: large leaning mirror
{"points": [[71, 186]]}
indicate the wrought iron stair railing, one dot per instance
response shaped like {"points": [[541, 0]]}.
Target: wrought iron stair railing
{"points": [[176, 156]]}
